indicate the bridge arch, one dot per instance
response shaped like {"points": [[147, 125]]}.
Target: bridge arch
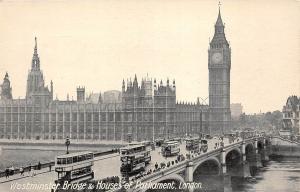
{"points": [[233, 159], [260, 145], [237, 150], [167, 179], [209, 166], [251, 145], [173, 176]]}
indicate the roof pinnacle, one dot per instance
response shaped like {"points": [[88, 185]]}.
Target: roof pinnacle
{"points": [[35, 46], [219, 20]]}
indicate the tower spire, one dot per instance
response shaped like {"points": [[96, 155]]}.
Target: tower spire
{"points": [[6, 76], [219, 38], [219, 20], [35, 46], [35, 57]]}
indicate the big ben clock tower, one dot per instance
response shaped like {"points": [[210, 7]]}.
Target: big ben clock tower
{"points": [[219, 63]]}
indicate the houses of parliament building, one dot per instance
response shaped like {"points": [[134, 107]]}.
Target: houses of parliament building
{"points": [[141, 111]]}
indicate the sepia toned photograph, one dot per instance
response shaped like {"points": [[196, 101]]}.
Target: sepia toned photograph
{"points": [[149, 96]]}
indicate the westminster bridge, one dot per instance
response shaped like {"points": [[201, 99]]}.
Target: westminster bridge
{"points": [[218, 165], [234, 158]]}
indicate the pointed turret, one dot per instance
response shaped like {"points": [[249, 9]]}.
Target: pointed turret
{"points": [[123, 86], [5, 91], [135, 82], [154, 84], [219, 20], [100, 100], [198, 101], [35, 58], [174, 85], [51, 89], [6, 76], [35, 46], [219, 39]]}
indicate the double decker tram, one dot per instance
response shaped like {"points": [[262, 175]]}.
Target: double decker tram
{"points": [[159, 142], [192, 144], [148, 144], [170, 148], [134, 158], [178, 139], [204, 145], [74, 167]]}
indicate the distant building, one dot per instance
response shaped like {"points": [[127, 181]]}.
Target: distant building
{"points": [[236, 110], [291, 113], [142, 111]]}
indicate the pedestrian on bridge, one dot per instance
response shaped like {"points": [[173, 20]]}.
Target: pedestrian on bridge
{"points": [[21, 171], [12, 170], [39, 166], [6, 173], [156, 165], [29, 169], [168, 164]]}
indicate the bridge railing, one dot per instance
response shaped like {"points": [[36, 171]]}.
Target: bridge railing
{"points": [[287, 140], [39, 166]]}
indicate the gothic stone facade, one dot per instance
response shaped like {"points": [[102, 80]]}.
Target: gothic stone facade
{"points": [[140, 117], [145, 112]]}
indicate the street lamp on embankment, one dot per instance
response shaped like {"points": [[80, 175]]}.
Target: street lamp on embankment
{"points": [[67, 144]]}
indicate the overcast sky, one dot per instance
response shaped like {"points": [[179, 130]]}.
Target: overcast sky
{"points": [[98, 43]]}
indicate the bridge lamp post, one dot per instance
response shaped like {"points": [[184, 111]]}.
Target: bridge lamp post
{"points": [[67, 143], [129, 137]]}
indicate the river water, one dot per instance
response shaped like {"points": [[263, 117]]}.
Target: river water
{"points": [[280, 175]]}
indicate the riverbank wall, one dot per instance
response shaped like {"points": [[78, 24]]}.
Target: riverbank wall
{"points": [[284, 148], [58, 145]]}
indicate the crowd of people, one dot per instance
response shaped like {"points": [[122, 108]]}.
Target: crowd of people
{"points": [[31, 170], [158, 167]]}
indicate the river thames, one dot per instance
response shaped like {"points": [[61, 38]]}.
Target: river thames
{"points": [[280, 175]]}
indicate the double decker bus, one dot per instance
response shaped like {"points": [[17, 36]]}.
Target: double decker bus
{"points": [[134, 159], [192, 144], [170, 148], [74, 167]]}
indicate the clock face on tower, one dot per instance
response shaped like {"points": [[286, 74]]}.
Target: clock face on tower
{"points": [[217, 58]]}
